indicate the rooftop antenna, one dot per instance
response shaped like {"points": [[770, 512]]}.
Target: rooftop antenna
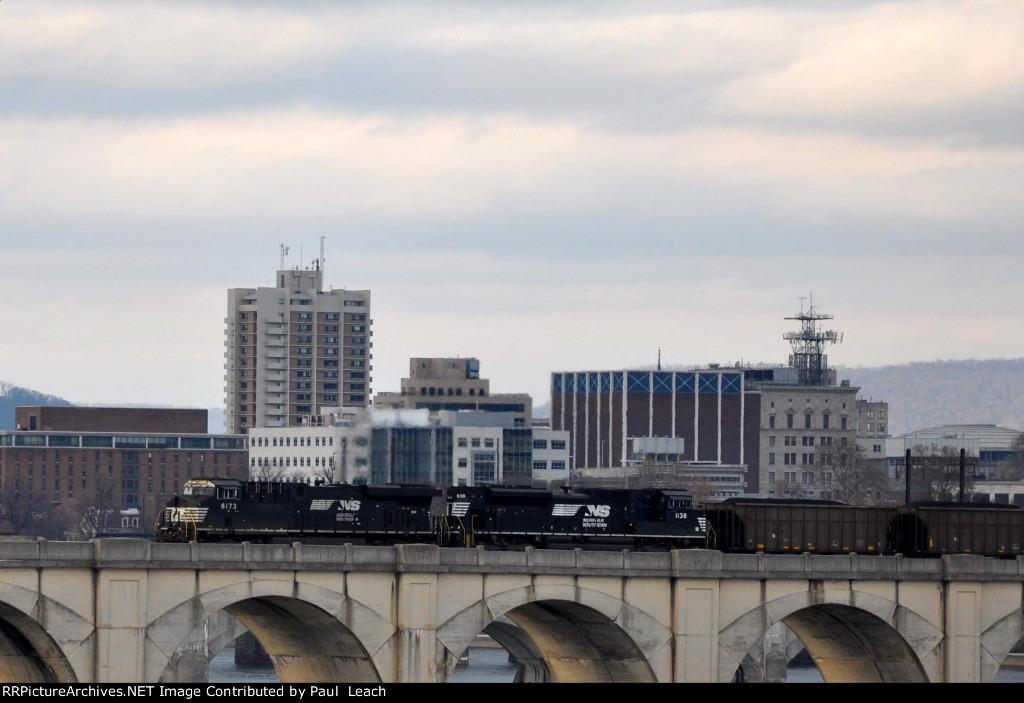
{"points": [[659, 358], [284, 253], [322, 259], [808, 357]]}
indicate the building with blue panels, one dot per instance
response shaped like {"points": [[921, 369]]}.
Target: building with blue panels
{"points": [[709, 409]]}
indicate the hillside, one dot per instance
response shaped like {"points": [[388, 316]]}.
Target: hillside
{"points": [[929, 393], [12, 396], [920, 394]]}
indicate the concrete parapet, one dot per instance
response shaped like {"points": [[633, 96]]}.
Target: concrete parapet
{"points": [[323, 554], [649, 561], [107, 549], [460, 557], [603, 561], [366, 556], [411, 556], [17, 551], [165, 551], [218, 553], [559, 559], [516, 560], [695, 560], [272, 553]]}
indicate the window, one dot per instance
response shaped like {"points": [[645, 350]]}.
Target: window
{"points": [[304, 316], [871, 414], [771, 477], [540, 465], [789, 421], [881, 427], [558, 444], [871, 427], [331, 316], [558, 465], [881, 414], [771, 458], [807, 421], [771, 421], [842, 422], [824, 421], [475, 442], [771, 441], [489, 442], [463, 462], [358, 362], [353, 304], [463, 442], [540, 444]]}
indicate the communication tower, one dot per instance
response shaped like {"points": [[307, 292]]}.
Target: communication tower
{"points": [[808, 357]]}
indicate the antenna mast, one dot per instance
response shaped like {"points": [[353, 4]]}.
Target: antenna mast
{"points": [[284, 253], [322, 260], [808, 343]]}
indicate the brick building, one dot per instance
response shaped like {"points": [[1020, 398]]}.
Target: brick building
{"points": [[113, 468]]}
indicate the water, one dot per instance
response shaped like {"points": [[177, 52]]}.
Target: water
{"points": [[492, 665], [485, 665]]}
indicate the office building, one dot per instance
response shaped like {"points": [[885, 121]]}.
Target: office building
{"points": [[453, 384]]}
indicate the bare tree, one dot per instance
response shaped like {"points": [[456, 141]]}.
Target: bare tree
{"points": [[849, 477], [265, 472], [98, 512], [20, 512], [937, 468]]}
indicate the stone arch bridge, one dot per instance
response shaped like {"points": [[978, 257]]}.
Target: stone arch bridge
{"points": [[134, 611]]}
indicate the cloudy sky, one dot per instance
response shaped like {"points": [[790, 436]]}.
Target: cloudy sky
{"points": [[542, 185]]}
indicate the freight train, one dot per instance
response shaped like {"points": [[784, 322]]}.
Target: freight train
{"points": [[494, 517], [508, 518]]}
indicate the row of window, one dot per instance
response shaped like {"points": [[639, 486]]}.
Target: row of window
{"points": [[826, 421], [789, 459], [541, 465], [806, 477]]}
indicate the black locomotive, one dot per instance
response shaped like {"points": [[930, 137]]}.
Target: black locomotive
{"points": [[210, 510], [637, 519], [259, 511]]}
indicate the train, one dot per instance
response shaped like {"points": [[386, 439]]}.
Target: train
{"points": [[499, 517], [210, 510]]}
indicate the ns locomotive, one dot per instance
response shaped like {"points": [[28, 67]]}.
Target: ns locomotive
{"points": [[493, 517]]}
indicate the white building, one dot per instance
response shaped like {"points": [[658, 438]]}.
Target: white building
{"points": [[372, 445]]}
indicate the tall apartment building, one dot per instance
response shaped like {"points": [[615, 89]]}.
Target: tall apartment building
{"points": [[294, 348], [453, 384]]}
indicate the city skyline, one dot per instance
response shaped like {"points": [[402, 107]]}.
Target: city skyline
{"points": [[539, 186]]}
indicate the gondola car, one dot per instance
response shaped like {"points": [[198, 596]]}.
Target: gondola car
{"points": [[792, 525], [260, 511], [934, 529], [493, 516]]}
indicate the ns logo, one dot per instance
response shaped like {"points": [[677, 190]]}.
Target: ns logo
{"points": [[598, 510], [351, 505]]}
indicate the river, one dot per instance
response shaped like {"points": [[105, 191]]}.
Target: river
{"points": [[492, 665]]}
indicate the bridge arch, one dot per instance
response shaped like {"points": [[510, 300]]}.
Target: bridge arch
{"points": [[852, 636], [28, 652], [564, 633], [997, 642], [311, 634]]}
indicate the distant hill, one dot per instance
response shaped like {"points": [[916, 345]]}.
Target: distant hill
{"points": [[920, 394], [930, 393], [12, 396]]}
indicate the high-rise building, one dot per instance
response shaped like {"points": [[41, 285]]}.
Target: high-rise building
{"points": [[294, 348]]}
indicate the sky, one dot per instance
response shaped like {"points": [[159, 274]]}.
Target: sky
{"points": [[545, 186]]}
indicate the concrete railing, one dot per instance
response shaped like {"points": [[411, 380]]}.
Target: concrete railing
{"points": [[140, 553]]}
